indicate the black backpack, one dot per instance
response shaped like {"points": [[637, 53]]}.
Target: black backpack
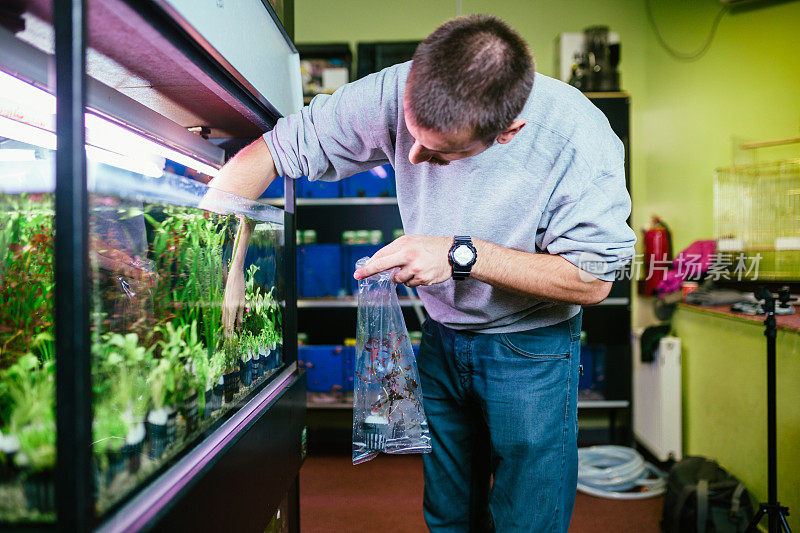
{"points": [[703, 497]]}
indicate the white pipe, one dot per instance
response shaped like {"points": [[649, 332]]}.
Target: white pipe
{"points": [[613, 471]]}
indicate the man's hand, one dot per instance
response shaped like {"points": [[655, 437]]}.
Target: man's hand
{"points": [[423, 261], [420, 260], [233, 302]]}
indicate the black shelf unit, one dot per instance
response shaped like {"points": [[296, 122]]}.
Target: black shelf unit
{"points": [[610, 325], [376, 56], [239, 473]]}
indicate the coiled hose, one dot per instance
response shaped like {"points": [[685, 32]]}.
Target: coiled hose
{"points": [[615, 471]]}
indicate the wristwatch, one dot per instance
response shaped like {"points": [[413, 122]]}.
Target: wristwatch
{"points": [[462, 256]]}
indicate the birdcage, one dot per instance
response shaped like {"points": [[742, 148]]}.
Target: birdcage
{"points": [[757, 218]]}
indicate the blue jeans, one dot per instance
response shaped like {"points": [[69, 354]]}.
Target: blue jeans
{"points": [[502, 412]]}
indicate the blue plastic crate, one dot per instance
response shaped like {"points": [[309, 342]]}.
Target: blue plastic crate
{"points": [[587, 363], [319, 270], [593, 360], [275, 189], [318, 189], [324, 367], [352, 253], [373, 183], [349, 360]]}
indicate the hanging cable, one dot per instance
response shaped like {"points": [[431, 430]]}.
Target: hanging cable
{"points": [[677, 54]]}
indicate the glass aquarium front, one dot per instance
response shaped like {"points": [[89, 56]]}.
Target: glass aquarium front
{"points": [[187, 300]]}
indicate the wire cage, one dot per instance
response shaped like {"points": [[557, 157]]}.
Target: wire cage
{"points": [[757, 217]]}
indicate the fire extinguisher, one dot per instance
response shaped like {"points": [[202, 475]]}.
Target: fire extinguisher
{"points": [[657, 254]]}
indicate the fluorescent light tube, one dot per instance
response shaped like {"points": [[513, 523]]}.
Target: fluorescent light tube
{"points": [[101, 132], [24, 93], [19, 131], [28, 134]]}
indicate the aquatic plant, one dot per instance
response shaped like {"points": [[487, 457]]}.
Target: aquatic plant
{"points": [[26, 272], [29, 390]]}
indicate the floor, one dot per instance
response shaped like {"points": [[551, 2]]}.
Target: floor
{"points": [[385, 495]]}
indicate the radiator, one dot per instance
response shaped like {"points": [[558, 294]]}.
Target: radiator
{"points": [[657, 398]]}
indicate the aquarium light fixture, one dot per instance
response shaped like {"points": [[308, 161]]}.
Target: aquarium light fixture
{"points": [[109, 135], [19, 131], [101, 132], [145, 168]]}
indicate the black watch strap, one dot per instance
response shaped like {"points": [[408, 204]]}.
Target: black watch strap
{"points": [[462, 271]]}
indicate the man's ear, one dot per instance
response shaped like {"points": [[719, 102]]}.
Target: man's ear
{"points": [[506, 136]]}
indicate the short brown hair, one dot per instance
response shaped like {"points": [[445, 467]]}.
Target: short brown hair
{"points": [[473, 72]]}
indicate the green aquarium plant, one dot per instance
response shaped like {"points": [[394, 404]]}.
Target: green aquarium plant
{"points": [[109, 430], [120, 366], [188, 248], [30, 387], [261, 320], [26, 276], [180, 346], [185, 354]]}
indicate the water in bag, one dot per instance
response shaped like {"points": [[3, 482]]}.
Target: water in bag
{"points": [[387, 405]]}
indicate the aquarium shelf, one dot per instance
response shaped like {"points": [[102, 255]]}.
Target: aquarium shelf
{"points": [[335, 201], [603, 404], [352, 301], [588, 404], [613, 301], [348, 301], [144, 507], [330, 406]]}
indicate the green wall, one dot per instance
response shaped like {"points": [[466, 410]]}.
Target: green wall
{"points": [[685, 119], [747, 87], [724, 400]]}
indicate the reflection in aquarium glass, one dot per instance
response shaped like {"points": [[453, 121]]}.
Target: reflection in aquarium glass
{"points": [[165, 370]]}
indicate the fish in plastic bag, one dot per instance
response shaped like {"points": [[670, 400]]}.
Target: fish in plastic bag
{"points": [[387, 405]]}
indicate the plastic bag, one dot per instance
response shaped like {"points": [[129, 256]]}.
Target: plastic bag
{"points": [[387, 405]]}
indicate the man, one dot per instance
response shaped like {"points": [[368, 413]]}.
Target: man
{"points": [[510, 186]]}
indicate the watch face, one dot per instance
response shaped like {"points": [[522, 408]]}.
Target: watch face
{"points": [[463, 255]]}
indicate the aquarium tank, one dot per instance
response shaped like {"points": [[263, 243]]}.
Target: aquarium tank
{"points": [[187, 305]]}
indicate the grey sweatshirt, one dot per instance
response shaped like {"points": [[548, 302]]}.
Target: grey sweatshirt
{"points": [[558, 187]]}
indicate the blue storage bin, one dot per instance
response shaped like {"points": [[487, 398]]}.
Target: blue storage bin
{"points": [[319, 270], [318, 189], [349, 360], [373, 183], [586, 380], [351, 254], [593, 360], [264, 257], [599, 367], [324, 367], [275, 189]]}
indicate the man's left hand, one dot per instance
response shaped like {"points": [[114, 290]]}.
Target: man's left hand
{"points": [[420, 260]]}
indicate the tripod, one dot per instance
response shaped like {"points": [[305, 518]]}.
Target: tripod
{"points": [[776, 515]]}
